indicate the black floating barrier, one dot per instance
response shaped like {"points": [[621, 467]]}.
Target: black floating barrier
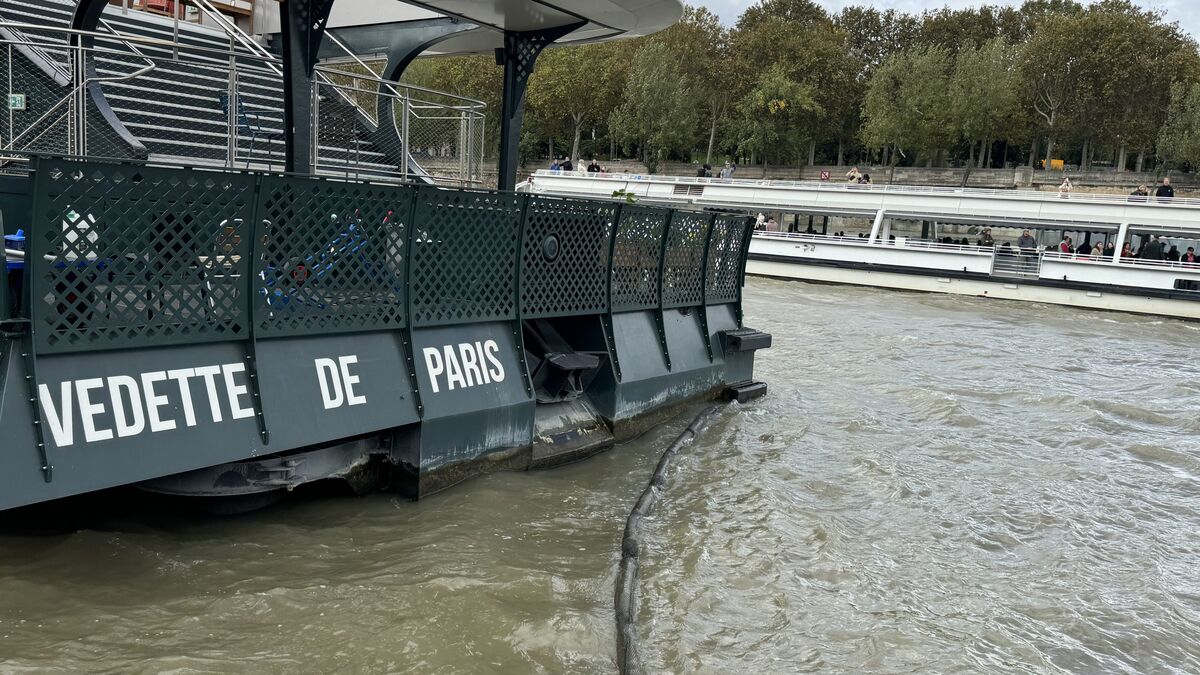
{"points": [[625, 599]]}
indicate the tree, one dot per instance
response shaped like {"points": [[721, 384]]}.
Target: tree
{"points": [[773, 113], [572, 87], [1050, 64], [700, 46], [1179, 139], [655, 114], [907, 102], [984, 94]]}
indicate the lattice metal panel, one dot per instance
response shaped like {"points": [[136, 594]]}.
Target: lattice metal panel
{"points": [[564, 257], [635, 258], [724, 259], [464, 256], [125, 256], [331, 256], [683, 260]]}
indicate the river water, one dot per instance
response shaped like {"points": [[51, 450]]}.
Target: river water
{"points": [[934, 484]]}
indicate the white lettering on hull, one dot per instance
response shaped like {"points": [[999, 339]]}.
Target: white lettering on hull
{"points": [[467, 364], [337, 382], [138, 402]]}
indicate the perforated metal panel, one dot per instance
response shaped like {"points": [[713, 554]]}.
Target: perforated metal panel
{"points": [[683, 259], [635, 258], [125, 256], [564, 257], [724, 259], [464, 256], [331, 256]]}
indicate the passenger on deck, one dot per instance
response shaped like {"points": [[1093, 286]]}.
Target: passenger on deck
{"points": [[1152, 250], [1140, 193], [567, 165], [594, 166], [1109, 249], [1126, 251], [1065, 188], [1065, 246], [1083, 249], [772, 226], [1098, 249], [555, 165], [1026, 240], [865, 180], [1189, 256], [985, 237], [853, 175], [1165, 192], [1173, 253]]}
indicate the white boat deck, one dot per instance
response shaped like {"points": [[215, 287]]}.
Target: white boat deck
{"points": [[966, 205]]}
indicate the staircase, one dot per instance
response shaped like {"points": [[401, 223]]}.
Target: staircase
{"points": [[178, 110]]}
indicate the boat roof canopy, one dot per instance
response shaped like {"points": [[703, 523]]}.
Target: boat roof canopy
{"points": [[601, 19]]}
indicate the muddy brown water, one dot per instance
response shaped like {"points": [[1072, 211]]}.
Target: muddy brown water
{"points": [[934, 484]]}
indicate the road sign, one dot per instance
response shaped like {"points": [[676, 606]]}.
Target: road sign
{"points": [[824, 175], [16, 101]]}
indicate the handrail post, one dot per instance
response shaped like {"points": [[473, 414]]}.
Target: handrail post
{"points": [[405, 150]]}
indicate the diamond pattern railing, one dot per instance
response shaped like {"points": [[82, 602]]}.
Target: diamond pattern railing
{"points": [[564, 257], [126, 255], [332, 256], [683, 260], [635, 258]]}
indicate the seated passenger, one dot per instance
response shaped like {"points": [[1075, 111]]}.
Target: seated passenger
{"points": [[1189, 256], [1098, 249], [1026, 240]]}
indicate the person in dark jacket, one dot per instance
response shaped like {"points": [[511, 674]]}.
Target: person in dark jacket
{"points": [[1189, 256], [1173, 253], [1083, 249], [1153, 250], [1165, 191], [1139, 194], [567, 165], [1026, 240]]}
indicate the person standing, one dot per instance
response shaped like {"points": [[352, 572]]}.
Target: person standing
{"points": [[1064, 188], [1153, 250], [1165, 192], [567, 165]]}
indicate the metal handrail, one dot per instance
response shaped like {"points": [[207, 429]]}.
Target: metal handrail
{"points": [[231, 29], [896, 243], [838, 186]]}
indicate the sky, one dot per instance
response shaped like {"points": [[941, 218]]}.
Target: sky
{"points": [[1186, 12]]}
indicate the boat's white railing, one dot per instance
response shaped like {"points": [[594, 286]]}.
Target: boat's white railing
{"points": [[1108, 258], [838, 186], [899, 242]]}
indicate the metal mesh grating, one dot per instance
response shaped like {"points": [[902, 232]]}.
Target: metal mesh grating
{"points": [[724, 259], [133, 256], [635, 258], [564, 257], [331, 256], [464, 256], [682, 285]]}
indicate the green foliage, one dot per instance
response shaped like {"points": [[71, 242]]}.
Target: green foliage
{"points": [[1063, 75], [1181, 131], [908, 101], [656, 114], [775, 113]]}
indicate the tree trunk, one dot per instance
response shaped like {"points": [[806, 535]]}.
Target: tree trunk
{"points": [[1140, 160], [812, 151], [929, 160], [841, 150], [1033, 152], [1121, 159], [987, 162], [1049, 151], [971, 154], [575, 143], [552, 149], [1084, 155], [712, 136], [612, 148]]}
